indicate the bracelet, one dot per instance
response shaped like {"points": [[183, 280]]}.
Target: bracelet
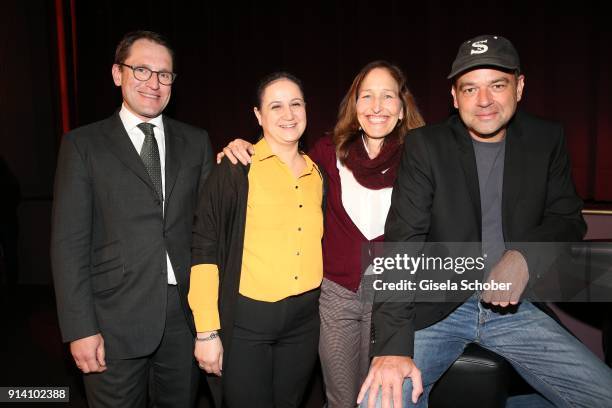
{"points": [[212, 336]]}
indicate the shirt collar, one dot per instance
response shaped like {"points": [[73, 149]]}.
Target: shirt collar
{"points": [[130, 121], [263, 152], [310, 166]]}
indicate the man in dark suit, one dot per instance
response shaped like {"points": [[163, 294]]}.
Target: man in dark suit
{"points": [[500, 177], [125, 192]]}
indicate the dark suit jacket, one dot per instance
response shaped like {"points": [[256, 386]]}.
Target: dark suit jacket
{"points": [[110, 236], [436, 198]]}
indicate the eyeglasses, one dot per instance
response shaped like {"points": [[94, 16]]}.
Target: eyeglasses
{"points": [[144, 74]]}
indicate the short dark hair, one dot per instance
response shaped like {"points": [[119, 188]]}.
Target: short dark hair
{"points": [[122, 52], [273, 77]]}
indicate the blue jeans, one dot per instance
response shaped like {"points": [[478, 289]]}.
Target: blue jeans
{"points": [[550, 359]]}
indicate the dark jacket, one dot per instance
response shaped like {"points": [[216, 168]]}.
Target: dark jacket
{"points": [[110, 235], [436, 198]]}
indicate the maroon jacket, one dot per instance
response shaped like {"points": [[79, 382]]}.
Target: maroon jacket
{"points": [[342, 240]]}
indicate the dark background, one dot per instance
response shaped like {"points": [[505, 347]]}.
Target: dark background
{"points": [[222, 49]]}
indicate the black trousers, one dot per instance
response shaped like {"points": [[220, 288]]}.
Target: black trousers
{"points": [[273, 352], [166, 378]]}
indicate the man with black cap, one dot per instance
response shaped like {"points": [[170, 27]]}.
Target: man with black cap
{"points": [[496, 176]]}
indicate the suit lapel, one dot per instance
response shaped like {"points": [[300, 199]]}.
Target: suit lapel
{"points": [[121, 145], [514, 167], [467, 159], [174, 152]]}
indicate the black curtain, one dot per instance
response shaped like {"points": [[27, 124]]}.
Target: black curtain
{"points": [[223, 48]]}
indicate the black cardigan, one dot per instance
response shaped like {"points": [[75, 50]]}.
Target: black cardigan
{"points": [[218, 238]]}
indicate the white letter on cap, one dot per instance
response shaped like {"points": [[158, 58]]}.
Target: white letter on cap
{"points": [[479, 47]]}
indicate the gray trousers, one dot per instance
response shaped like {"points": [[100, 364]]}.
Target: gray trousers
{"points": [[344, 342]]}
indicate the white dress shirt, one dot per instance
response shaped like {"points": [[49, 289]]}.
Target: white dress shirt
{"points": [[367, 208], [130, 123]]}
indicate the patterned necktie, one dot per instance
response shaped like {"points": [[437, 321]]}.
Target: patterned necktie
{"points": [[150, 157]]}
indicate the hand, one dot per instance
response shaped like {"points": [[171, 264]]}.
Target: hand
{"points": [[209, 354], [511, 268], [88, 354], [389, 372], [237, 150]]}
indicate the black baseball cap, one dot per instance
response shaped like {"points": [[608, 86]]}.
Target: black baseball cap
{"points": [[489, 50]]}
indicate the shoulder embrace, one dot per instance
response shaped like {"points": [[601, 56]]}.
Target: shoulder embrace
{"points": [[227, 170]]}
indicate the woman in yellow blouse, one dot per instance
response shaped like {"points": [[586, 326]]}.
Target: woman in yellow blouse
{"points": [[257, 262]]}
